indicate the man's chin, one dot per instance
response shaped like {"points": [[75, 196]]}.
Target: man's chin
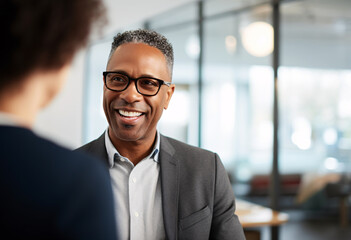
{"points": [[131, 133], [130, 136]]}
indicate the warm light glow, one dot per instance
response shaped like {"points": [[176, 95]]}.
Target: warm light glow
{"points": [[230, 44], [257, 39]]}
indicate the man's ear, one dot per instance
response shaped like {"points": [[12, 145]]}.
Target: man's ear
{"points": [[169, 94]]}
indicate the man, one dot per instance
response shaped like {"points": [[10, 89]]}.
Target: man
{"points": [[164, 189], [47, 192]]}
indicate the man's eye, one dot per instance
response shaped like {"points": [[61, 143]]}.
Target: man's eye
{"points": [[117, 79], [148, 82]]}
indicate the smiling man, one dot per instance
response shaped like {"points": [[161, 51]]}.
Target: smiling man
{"points": [[164, 189]]}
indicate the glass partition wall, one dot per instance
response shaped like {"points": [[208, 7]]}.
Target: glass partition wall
{"points": [[314, 94], [224, 98], [224, 85]]}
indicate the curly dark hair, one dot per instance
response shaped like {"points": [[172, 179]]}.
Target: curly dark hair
{"points": [[148, 37], [43, 34]]}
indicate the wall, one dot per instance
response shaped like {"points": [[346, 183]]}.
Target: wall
{"points": [[61, 121]]}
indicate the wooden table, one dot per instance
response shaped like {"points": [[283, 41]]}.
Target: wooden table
{"points": [[254, 215]]}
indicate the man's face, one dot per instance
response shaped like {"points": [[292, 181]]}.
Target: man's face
{"points": [[132, 116]]}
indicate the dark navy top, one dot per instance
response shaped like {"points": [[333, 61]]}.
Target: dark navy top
{"points": [[49, 192]]}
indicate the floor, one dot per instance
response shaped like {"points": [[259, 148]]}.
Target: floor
{"points": [[314, 226], [318, 219]]}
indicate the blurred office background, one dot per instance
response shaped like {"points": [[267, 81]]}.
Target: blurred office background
{"points": [[224, 98]]}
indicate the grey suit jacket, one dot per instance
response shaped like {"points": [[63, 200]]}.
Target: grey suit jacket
{"points": [[197, 198]]}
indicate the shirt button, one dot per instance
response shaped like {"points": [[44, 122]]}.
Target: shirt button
{"points": [[134, 180], [136, 214]]}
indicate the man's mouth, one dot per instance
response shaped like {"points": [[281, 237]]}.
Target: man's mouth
{"points": [[129, 113]]}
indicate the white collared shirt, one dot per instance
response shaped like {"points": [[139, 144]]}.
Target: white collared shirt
{"points": [[137, 193]]}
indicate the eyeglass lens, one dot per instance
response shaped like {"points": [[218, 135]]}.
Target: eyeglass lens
{"points": [[119, 82]]}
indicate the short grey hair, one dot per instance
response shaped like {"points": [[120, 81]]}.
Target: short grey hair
{"points": [[148, 37]]}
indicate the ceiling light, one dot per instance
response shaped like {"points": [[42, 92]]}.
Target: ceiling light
{"points": [[257, 39]]}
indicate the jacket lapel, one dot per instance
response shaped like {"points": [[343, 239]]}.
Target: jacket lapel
{"points": [[98, 148], [169, 188]]}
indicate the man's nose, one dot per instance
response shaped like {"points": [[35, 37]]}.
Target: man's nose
{"points": [[131, 94]]}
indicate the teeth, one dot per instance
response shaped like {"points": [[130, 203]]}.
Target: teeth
{"points": [[129, 114]]}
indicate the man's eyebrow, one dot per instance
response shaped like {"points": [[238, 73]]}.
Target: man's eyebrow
{"points": [[125, 73], [118, 71]]}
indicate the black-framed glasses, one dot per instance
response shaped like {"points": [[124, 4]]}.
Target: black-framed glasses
{"points": [[147, 86]]}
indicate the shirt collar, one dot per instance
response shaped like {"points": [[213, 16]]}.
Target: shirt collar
{"points": [[8, 119], [112, 151]]}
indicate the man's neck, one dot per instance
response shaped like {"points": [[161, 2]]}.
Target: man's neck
{"points": [[135, 151]]}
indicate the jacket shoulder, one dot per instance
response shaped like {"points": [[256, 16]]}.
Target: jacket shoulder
{"points": [[88, 147], [184, 148], [96, 148], [93, 146]]}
